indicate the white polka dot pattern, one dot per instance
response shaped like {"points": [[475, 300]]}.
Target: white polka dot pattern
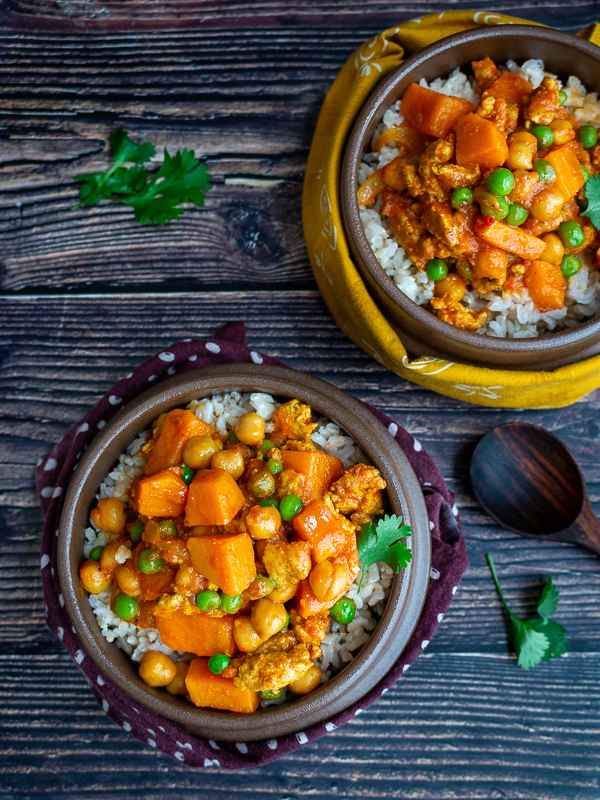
{"points": [[212, 347], [417, 445], [302, 737], [50, 464], [272, 744], [329, 726], [393, 428], [166, 356], [242, 747], [256, 357], [45, 560]]}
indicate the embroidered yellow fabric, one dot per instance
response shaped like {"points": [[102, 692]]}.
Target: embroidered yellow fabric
{"points": [[340, 282]]}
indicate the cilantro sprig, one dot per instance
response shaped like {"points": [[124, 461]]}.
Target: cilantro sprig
{"points": [[381, 542], [540, 639], [155, 198], [592, 193]]}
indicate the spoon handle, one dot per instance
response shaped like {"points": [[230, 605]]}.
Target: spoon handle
{"points": [[585, 531]]}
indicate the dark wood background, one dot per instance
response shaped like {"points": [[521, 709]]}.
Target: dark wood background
{"points": [[87, 294]]}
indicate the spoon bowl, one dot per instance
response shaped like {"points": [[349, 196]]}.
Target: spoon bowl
{"points": [[528, 481]]}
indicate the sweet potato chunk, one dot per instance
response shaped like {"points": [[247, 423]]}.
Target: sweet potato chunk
{"points": [[214, 498], [546, 285], [514, 240], [511, 86], [431, 112], [214, 691], [180, 426], [319, 471], [569, 178], [320, 527], [226, 559], [162, 495], [200, 634], [478, 141]]}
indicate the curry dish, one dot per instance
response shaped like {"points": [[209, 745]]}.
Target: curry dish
{"points": [[488, 197], [239, 549]]}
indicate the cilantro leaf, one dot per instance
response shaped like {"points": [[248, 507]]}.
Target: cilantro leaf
{"points": [[535, 640], [381, 542], [592, 193], [155, 198]]}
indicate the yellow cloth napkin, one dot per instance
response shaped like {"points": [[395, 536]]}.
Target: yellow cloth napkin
{"points": [[340, 282]]}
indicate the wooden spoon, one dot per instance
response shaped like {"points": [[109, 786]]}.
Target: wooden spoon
{"points": [[528, 481]]}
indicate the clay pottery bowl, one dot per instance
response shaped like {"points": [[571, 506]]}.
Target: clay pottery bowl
{"points": [[408, 589], [421, 331]]}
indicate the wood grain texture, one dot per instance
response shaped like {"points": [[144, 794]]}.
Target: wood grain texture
{"points": [[88, 295]]}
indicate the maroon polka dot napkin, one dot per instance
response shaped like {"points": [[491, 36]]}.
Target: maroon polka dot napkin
{"points": [[449, 560]]}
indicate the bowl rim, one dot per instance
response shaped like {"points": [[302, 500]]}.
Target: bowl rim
{"points": [[409, 588], [355, 146]]}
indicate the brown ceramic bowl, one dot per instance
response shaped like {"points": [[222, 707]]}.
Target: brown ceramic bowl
{"points": [[408, 589], [420, 330]]}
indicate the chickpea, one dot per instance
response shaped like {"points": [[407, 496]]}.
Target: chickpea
{"points": [[177, 685], [327, 580], [522, 147], [263, 523], [307, 682], [109, 515], [93, 578], [250, 429], [232, 461], [128, 579], [262, 484], [157, 669], [547, 204], [198, 452], [188, 581], [113, 555], [158, 423], [555, 249], [244, 635], [563, 131], [283, 594], [453, 285], [268, 617]]}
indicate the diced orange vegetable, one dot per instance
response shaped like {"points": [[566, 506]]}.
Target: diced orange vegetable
{"points": [[546, 285], [179, 427], [511, 86], [393, 176], [514, 240], [319, 526], [569, 178], [200, 634], [478, 141], [152, 586], [226, 559], [214, 498], [208, 690], [431, 112], [370, 189], [319, 471], [162, 495], [409, 140]]}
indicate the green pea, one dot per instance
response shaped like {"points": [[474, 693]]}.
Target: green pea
{"points": [[232, 438], [96, 552], [588, 136], [126, 607], [516, 214], [230, 603], [544, 136], [343, 611], [208, 601], [186, 474], [501, 181], [266, 585], [262, 483], [268, 502], [562, 98], [461, 197], [265, 446], [274, 466], [436, 269], [571, 234], [286, 624], [218, 662], [135, 534], [289, 506], [545, 170], [570, 265], [494, 206], [167, 528], [272, 694], [584, 171], [149, 562]]}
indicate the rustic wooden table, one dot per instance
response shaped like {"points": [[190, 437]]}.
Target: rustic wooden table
{"points": [[87, 294]]}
